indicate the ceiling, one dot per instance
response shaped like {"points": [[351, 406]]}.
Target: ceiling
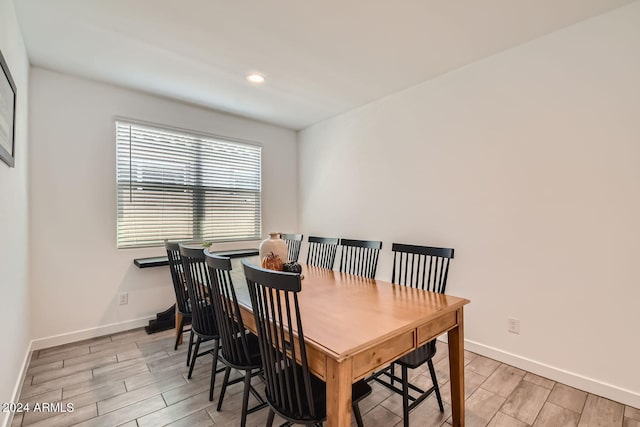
{"points": [[319, 57]]}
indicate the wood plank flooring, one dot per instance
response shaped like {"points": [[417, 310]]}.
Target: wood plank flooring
{"points": [[135, 380]]}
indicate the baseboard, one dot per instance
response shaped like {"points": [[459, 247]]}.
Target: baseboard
{"points": [[17, 390], [581, 382], [84, 334]]}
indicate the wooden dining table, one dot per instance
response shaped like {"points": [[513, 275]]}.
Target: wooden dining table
{"points": [[354, 326]]}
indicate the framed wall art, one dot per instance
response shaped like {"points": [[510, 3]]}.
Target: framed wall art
{"points": [[7, 114]]}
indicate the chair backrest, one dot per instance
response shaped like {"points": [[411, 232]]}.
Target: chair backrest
{"points": [[293, 242], [203, 320], [177, 276], [233, 339], [274, 299], [322, 251], [359, 257], [422, 267]]}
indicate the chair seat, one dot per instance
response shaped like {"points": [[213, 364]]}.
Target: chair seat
{"points": [[209, 328], [359, 390], [185, 313], [187, 309], [253, 346], [418, 356]]}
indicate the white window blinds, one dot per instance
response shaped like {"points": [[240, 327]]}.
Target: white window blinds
{"points": [[175, 185]]}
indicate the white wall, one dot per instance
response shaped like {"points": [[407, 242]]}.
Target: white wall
{"points": [[77, 272], [14, 231], [527, 163]]}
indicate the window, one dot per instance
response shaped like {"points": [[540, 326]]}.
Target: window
{"points": [[178, 185]]}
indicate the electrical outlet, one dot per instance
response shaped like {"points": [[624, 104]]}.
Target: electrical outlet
{"points": [[513, 325], [123, 298]]}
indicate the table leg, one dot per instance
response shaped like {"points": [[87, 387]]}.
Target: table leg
{"points": [[339, 380], [178, 323], [456, 370]]}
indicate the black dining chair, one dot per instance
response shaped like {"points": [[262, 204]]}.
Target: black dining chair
{"points": [[183, 305], [322, 251], [239, 348], [427, 268], [293, 241], [359, 257], [293, 392], [203, 320]]}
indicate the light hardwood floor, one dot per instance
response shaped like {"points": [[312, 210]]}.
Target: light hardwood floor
{"points": [[134, 379]]}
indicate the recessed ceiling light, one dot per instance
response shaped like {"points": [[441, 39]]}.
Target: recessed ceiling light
{"points": [[255, 78]]}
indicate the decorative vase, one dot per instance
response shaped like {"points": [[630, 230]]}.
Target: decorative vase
{"points": [[275, 249]]}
